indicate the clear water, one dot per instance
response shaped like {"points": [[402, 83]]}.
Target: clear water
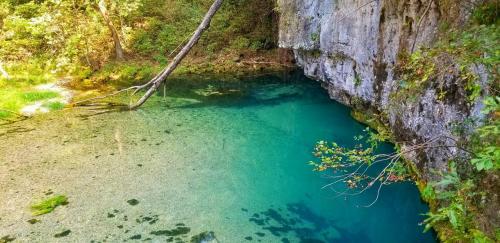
{"points": [[228, 157]]}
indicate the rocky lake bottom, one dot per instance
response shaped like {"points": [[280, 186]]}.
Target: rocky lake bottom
{"points": [[207, 160]]}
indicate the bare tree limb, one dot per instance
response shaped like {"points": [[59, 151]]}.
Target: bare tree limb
{"points": [[162, 76]]}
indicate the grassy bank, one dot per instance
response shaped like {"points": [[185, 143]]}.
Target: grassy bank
{"points": [[20, 89]]}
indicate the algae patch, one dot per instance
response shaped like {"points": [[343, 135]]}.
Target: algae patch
{"points": [[62, 234], [133, 202], [6, 239], [48, 205]]}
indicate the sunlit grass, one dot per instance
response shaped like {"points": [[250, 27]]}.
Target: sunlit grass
{"points": [[56, 105], [12, 99], [18, 91], [32, 96]]}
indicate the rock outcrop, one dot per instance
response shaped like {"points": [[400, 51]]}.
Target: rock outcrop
{"points": [[353, 47]]}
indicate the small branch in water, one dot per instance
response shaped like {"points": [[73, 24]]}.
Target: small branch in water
{"points": [[81, 102]]}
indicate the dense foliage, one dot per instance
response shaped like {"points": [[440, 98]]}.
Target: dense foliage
{"points": [[44, 40], [61, 34]]}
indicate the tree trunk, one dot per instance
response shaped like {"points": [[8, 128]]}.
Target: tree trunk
{"points": [[116, 38], [3, 72], [162, 76]]}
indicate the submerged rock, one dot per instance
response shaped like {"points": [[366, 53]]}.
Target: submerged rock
{"points": [[7, 238], [204, 237], [133, 202], [62, 234]]}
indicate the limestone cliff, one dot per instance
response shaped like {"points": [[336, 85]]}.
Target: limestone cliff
{"points": [[353, 46]]}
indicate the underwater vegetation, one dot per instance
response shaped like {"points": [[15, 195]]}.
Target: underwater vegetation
{"points": [[48, 205]]}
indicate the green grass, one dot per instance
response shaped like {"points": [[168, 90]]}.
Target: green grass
{"points": [[32, 96], [12, 99], [54, 106], [48, 205], [15, 94]]}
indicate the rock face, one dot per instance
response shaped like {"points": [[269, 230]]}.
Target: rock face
{"points": [[352, 47]]}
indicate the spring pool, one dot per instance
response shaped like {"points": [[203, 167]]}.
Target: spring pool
{"points": [[228, 157]]}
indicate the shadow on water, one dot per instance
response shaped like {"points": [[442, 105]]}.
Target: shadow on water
{"points": [[262, 90], [101, 108], [298, 220], [258, 91], [16, 130]]}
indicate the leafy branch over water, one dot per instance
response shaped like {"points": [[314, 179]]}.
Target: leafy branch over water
{"points": [[456, 195], [354, 164]]}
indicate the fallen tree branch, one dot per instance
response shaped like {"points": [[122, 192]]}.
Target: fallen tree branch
{"points": [[157, 80], [162, 76]]}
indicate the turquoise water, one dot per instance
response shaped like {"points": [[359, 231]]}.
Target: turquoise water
{"points": [[228, 157]]}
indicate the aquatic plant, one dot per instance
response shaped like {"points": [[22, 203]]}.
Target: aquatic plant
{"points": [[48, 205], [56, 105]]}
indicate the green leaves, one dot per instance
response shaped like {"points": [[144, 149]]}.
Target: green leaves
{"points": [[455, 207], [491, 104], [355, 161], [428, 193], [487, 159], [486, 141], [450, 178], [454, 213]]}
